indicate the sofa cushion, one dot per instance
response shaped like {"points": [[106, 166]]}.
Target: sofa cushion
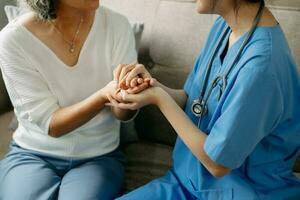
{"points": [[178, 38], [137, 10], [13, 12], [5, 133], [4, 99], [151, 125], [297, 165], [5, 104], [145, 162], [286, 4], [290, 23]]}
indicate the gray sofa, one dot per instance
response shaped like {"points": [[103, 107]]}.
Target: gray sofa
{"points": [[173, 36]]}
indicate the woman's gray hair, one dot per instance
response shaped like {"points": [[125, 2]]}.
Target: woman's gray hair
{"points": [[45, 9]]}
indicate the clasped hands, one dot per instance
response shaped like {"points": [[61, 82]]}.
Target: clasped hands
{"points": [[133, 87]]}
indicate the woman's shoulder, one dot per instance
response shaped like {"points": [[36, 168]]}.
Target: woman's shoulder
{"points": [[9, 42], [12, 34], [8, 34]]}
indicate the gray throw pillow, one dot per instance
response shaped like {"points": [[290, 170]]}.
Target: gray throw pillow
{"points": [[128, 132], [13, 12]]}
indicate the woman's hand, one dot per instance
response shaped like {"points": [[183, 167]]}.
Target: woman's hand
{"points": [[109, 90]]}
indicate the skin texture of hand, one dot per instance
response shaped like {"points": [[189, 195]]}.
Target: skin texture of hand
{"points": [[129, 76], [109, 89], [136, 101]]}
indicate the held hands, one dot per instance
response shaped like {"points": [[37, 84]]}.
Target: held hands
{"points": [[134, 78], [135, 87]]}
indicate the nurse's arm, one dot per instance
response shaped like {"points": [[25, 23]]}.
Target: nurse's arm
{"points": [[178, 95], [191, 135]]}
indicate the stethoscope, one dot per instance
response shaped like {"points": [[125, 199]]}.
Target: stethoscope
{"points": [[199, 106]]}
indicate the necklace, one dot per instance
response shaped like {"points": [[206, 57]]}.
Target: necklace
{"points": [[71, 44]]}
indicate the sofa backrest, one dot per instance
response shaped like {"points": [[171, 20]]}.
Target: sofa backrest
{"points": [[173, 36], [174, 33]]}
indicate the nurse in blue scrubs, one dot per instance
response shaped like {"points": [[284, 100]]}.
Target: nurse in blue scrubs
{"points": [[238, 116]]}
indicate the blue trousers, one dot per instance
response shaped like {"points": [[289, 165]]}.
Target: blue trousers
{"points": [[28, 175]]}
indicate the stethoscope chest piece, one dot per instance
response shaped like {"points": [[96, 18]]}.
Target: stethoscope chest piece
{"points": [[199, 108]]}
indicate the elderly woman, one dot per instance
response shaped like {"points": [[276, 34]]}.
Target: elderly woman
{"points": [[239, 131], [57, 62]]}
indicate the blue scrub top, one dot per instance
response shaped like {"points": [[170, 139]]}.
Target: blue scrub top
{"points": [[254, 129]]}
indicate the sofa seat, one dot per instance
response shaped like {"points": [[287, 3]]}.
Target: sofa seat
{"points": [[145, 162]]}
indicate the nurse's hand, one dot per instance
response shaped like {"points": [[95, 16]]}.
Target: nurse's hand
{"points": [[128, 101]]}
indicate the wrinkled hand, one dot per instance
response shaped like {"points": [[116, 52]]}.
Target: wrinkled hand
{"points": [[109, 90], [132, 75]]}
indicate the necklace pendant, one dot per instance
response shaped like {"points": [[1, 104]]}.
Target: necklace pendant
{"points": [[72, 49]]}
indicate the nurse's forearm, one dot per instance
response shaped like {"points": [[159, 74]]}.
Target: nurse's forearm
{"points": [[189, 133], [69, 118], [178, 95]]}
